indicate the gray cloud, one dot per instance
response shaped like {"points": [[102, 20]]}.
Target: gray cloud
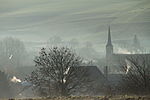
{"points": [[86, 20]]}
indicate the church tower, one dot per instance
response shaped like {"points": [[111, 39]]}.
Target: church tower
{"points": [[109, 46], [136, 42], [136, 45]]}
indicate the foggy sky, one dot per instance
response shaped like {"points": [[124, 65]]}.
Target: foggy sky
{"points": [[85, 20]]}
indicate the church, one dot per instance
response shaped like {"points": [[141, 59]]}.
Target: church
{"points": [[114, 61]]}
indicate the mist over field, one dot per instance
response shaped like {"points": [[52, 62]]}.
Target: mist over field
{"points": [[75, 49]]}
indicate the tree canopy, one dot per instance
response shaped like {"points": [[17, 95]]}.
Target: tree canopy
{"points": [[57, 69]]}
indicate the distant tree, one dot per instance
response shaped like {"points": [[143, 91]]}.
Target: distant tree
{"points": [[88, 51], [57, 69], [54, 41], [137, 75], [74, 43], [12, 52], [5, 88]]}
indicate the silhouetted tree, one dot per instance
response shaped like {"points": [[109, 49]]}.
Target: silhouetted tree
{"points": [[57, 69], [5, 88], [137, 77]]}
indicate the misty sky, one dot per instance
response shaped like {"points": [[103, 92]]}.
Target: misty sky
{"points": [[85, 20]]}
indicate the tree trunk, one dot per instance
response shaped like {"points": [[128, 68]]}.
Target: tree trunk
{"points": [[64, 91]]}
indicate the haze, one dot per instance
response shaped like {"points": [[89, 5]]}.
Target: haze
{"points": [[35, 21]]}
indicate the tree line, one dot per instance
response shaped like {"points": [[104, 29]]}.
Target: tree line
{"points": [[59, 71]]}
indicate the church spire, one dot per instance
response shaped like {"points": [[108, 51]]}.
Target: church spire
{"points": [[109, 37], [136, 45], [136, 41], [109, 46]]}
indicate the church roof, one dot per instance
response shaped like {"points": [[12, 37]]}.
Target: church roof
{"points": [[131, 55], [118, 58], [93, 72]]}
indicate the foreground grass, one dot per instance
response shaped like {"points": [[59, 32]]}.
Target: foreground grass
{"points": [[89, 98]]}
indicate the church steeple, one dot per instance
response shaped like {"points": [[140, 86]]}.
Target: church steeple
{"points": [[136, 42], [109, 38], [109, 46], [136, 45]]}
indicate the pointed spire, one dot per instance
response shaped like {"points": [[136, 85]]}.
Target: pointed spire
{"points": [[135, 39], [109, 37], [136, 42], [109, 46]]}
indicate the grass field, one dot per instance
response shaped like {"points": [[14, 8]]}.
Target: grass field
{"points": [[89, 98]]}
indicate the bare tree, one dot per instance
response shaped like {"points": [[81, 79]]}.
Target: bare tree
{"points": [[54, 41], [12, 52], [137, 74], [5, 88], [57, 69], [88, 51], [74, 43]]}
